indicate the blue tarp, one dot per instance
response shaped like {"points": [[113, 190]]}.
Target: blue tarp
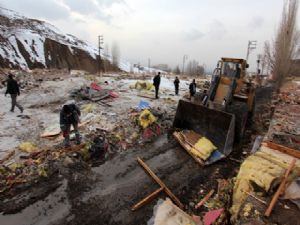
{"points": [[143, 105]]}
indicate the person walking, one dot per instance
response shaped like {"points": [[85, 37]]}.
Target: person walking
{"points": [[192, 88], [176, 84], [14, 91], [156, 83], [69, 115]]}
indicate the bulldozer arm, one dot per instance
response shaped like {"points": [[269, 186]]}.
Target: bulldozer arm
{"points": [[217, 126]]}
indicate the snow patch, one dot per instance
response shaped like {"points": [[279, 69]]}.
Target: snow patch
{"points": [[34, 45], [33, 33]]}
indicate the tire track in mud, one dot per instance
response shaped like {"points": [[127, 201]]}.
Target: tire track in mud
{"points": [[122, 183]]}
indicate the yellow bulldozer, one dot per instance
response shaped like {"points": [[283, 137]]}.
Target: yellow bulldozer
{"points": [[230, 83], [220, 114]]}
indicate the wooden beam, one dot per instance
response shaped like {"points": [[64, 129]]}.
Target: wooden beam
{"points": [[280, 189], [206, 197], [148, 199], [178, 136], [253, 196], [8, 156], [284, 149], [161, 184]]}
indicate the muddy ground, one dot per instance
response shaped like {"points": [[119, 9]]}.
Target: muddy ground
{"points": [[105, 194], [80, 193]]}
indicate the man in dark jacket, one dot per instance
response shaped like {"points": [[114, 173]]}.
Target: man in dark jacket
{"points": [[192, 88], [14, 91], [69, 115], [156, 83], [176, 84]]}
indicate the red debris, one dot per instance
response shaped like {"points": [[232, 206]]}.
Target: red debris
{"points": [[95, 86], [212, 216]]}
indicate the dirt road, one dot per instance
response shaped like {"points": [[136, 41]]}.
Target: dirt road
{"points": [[105, 194]]}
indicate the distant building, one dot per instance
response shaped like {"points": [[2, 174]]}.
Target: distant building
{"points": [[163, 67]]}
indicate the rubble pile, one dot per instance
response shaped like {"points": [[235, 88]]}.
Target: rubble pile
{"points": [[105, 128], [121, 121], [285, 126], [31, 166], [263, 172], [260, 172]]}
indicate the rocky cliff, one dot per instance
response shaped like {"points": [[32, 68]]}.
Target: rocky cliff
{"points": [[29, 43]]}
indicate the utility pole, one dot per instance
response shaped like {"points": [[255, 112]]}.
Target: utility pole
{"points": [[258, 64], [183, 61], [100, 42], [149, 64], [251, 46]]}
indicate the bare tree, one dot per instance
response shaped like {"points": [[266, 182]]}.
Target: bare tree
{"points": [[267, 58], [177, 70], [279, 56], [193, 68], [115, 54]]}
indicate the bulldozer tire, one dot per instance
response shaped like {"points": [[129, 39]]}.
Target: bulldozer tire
{"points": [[240, 110]]}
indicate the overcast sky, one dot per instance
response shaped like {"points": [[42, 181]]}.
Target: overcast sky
{"points": [[163, 30]]}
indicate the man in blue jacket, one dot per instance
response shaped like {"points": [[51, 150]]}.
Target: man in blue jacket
{"points": [[69, 115], [14, 90]]}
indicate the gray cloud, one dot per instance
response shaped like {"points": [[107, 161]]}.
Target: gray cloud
{"points": [[61, 9], [193, 35], [94, 8], [109, 3], [256, 22], [83, 7], [47, 9], [217, 30]]}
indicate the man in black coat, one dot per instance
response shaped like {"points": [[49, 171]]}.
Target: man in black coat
{"points": [[192, 88], [69, 115], [176, 84], [156, 83], [14, 90]]}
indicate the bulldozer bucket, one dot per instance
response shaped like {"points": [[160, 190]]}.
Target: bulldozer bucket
{"points": [[217, 126]]}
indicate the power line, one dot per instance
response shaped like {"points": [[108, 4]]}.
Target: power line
{"points": [[251, 46]]}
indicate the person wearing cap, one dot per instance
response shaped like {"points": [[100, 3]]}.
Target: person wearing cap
{"points": [[69, 115], [14, 90]]}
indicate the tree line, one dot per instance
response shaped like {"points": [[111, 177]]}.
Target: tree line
{"points": [[192, 68]]}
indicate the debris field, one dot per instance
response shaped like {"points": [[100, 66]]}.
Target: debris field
{"points": [[147, 169]]}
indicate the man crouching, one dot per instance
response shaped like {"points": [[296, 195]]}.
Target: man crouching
{"points": [[69, 115]]}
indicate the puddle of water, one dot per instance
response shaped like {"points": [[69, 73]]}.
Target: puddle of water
{"points": [[56, 206], [122, 172]]}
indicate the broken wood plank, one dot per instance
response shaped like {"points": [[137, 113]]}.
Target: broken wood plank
{"points": [[187, 148], [104, 103], [280, 189], [253, 196], [73, 148], [148, 199], [146, 96], [186, 139], [159, 181], [283, 149], [10, 154], [206, 197]]}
